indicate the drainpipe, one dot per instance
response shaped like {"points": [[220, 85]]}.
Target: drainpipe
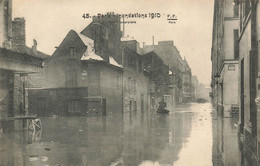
{"points": [[123, 77]]}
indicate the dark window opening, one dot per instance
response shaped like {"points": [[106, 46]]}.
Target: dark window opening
{"points": [[236, 44], [71, 78], [72, 52], [235, 8]]}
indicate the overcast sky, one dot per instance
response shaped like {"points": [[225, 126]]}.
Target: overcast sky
{"points": [[48, 21]]}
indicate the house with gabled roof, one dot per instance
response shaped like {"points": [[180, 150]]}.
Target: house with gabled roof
{"points": [[79, 82]]}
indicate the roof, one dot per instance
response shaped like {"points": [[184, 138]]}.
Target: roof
{"points": [[113, 62], [86, 40], [127, 38], [40, 54], [89, 54]]}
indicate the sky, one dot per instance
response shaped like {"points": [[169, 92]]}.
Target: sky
{"points": [[48, 21]]}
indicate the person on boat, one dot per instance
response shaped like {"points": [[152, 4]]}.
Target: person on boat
{"points": [[162, 105]]}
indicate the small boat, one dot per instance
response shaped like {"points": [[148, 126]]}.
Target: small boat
{"points": [[163, 111]]}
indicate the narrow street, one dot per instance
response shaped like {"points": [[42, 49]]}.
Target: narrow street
{"points": [[187, 136]]}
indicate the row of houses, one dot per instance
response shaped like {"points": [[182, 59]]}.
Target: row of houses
{"points": [[95, 71], [235, 67], [112, 72]]}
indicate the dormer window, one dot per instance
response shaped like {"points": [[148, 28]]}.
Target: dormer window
{"points": [[72, 52]]}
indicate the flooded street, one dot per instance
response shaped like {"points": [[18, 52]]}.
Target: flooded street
{"points": [[187, 136]]}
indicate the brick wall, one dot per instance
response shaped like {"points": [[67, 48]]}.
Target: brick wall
{"points": [[18, 38]]}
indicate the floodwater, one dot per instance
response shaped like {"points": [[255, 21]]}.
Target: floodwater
{"points": [[192, 135]]}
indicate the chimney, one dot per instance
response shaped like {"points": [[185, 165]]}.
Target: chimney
{"points": [[5, 23], [143, 44], [34, 47], [18, 39]]}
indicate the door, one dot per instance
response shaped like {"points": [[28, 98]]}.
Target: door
{"points": [[41, 107], [242, 95], [74, 107]]}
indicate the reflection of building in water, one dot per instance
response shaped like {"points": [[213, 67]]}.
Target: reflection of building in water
{"points": [[81, 141], [158, 138], [227, 146]]}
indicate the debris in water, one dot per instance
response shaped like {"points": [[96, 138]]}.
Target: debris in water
{"points": [[47, 148], [33, 158], [80, 130], [44, 158], [34, 155]]}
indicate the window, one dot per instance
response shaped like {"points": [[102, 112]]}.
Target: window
{"points": [[132, 62], [231, 67], [235, 9], [236, 44], [129, 84], [74, 106], [72, 52], [71, 78], [84, 72]]}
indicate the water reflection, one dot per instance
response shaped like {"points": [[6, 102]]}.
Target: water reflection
{"points": [[228, 149], [191, 135]]}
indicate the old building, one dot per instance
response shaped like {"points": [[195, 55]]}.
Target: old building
{"points": [[13, 63], [186, 82], [112, 74], [28, 80], [249, 75], [108, 42], [171, 57], [235, 60], [174, 88], [79, 82], [195, 84], [159, 86], [136, 80], [224, 56]]}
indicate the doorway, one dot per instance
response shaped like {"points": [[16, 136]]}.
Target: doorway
{"points": [[41, 107]]}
